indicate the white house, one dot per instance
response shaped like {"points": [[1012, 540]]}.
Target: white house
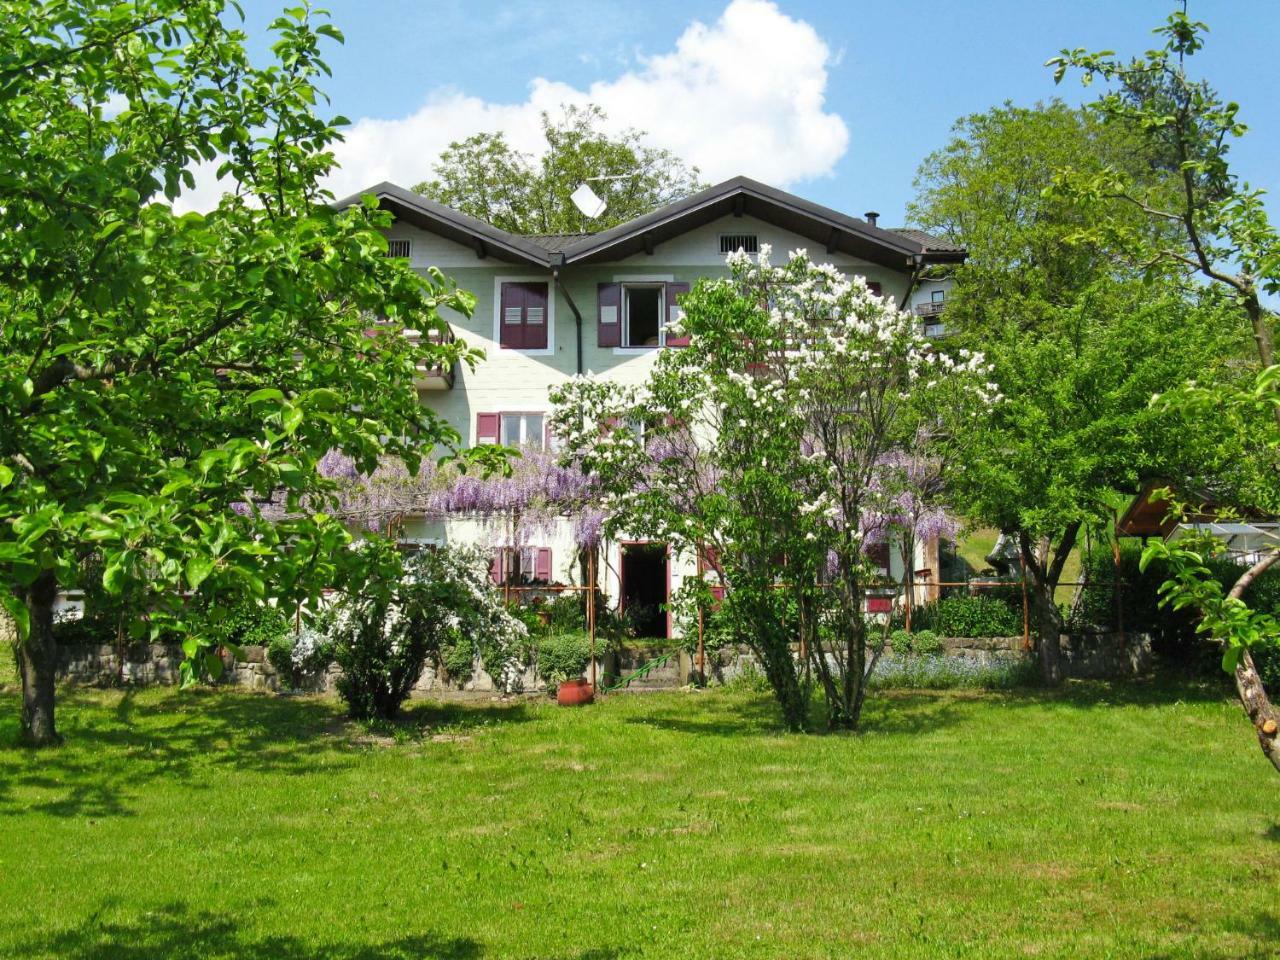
{"points": [[552, 306]]}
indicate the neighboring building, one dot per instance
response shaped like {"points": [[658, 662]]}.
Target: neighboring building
{"points": [[552, 306], [1247, 535]]}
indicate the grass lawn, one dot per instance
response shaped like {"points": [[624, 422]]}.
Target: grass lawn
{"points": [[1103, 822], [974, 547]]}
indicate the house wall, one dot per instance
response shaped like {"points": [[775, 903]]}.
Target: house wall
{"points": [[519, 381]]}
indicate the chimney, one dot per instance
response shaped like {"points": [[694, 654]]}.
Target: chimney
{"points": [[871, 216]]}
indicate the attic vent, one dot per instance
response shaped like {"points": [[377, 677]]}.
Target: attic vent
{"points": [[733, 242], [398, 249]]}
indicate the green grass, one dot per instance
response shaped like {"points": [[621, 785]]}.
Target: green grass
{"points": [[1101, 822]]}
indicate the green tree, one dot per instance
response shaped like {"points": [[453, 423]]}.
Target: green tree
{"points": [[1214, 229], [485, 177], [162, 377], [765, 443], [1078, 340]]}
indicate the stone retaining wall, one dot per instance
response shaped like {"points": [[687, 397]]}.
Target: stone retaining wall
{"points": [[1088, 655]]}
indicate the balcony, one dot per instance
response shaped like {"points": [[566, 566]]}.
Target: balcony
{"points": [[437, 377], [930, 315]]}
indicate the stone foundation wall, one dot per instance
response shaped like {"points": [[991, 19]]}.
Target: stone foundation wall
{"points": [[1086, 656]]}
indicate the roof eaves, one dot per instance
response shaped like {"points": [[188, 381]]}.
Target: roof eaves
{"points": [[596, 243], [485, 232]]}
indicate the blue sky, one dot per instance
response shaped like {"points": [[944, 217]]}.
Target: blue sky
{"points": [[835, 101]]}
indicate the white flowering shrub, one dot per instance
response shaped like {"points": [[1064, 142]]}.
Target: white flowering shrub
{"points": [[410, 608], [768, 443]]}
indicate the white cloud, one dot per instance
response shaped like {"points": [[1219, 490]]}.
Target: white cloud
{"points": [[743, 95]]}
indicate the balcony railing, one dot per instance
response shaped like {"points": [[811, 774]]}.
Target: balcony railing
{"points": [[433, 377], [933, 309]]}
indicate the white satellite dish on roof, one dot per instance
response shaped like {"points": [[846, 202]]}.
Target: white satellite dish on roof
{"points": [[585, 199]]}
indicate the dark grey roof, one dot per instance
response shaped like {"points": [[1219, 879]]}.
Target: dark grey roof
{"points": [[928, 240], [741, 196], [555, 242]]}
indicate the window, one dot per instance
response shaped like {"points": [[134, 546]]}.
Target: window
{"points": [[522, 316], [521, 565], [642, 315], [399, 248], [733, 242], [523, 429], [937, 296]]}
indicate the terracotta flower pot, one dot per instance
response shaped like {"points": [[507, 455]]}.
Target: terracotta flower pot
{"points": [[572, 693]]}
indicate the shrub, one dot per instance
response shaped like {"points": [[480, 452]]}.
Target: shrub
{"points": [[408, 608], [249, 623], [302, 657], [563, 656], [968, 616], [921, 643]]}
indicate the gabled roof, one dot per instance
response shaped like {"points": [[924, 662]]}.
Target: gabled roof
{"points": [[741, 196]]}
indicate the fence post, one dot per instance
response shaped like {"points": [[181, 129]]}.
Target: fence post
{"points": [[591, 611], [1026, 613]]}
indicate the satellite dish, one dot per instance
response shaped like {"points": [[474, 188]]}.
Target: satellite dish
{"points": [[585, 199]]}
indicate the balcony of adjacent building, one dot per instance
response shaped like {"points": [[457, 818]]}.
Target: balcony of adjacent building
{"points": [[433, 377], [930, 312]]}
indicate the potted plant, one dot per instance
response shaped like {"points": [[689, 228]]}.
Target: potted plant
{"points": [[562, 660]]}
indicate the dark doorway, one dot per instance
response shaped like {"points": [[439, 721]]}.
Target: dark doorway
{"points": [[644, 588]]}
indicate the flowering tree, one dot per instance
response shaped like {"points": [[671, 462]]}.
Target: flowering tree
{"points": [[386, 624], [761, 444]]}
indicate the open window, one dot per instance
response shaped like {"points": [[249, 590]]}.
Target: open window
{"points": [[638, 316], [642, 314]]}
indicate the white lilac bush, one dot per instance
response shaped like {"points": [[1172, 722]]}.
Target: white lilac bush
{"points": [[408, 609], [770, 443]]}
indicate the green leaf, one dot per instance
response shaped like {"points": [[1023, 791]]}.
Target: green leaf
{"points": [[263, 395], [6, 476], [1230, 658], [199, 567], [213, 665]]}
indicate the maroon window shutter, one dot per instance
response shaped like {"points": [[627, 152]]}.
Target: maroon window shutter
{"points": [[511, 316], [873, 287], [542, 565], [673, 310], [879, 605], [878, 554], [487, 427], [535, 316], [609, 321], [495, 568]]}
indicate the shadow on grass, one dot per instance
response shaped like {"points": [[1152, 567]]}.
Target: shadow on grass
{"points": [[176, 931], [115, 743], [898, 711]]}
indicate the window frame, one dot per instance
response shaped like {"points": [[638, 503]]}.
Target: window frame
{"points": [[642, 280], [549, 319], [524, 426]]}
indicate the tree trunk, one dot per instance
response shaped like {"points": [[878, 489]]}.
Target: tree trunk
{"points": [[1263, 715], [37, 662], [1050, 621]]}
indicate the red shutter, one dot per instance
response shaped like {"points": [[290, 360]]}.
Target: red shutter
{"points": [[609, 319], [674, 290], [878, 554], [536, 320], [542, 565], [879, 605], [873, 286], [511, 328], [495, 568], [487, 427]]}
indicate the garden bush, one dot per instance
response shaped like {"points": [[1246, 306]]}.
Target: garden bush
{"points": [[1174, 631], [921, 643], [968, 616], [563, 656], [384, 628], [300, 658]]}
